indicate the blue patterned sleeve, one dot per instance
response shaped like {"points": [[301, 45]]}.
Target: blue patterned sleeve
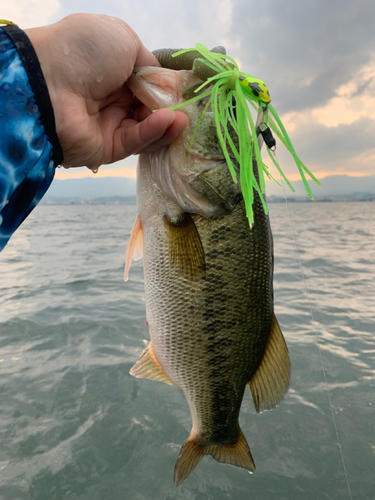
{"points": [[29, 147]]}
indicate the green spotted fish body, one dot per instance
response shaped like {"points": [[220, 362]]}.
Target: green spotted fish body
{"points": [[208, 280]]}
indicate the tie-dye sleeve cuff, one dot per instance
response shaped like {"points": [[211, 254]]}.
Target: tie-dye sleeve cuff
{"points": [[29, 146]]}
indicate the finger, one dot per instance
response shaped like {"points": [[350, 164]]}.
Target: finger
{"points": [[145, 57], [178, 124], [133, 137], [141, 113]]}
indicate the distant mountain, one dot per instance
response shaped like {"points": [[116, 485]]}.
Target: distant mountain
{"points": [[89, 188], [333, 186], [117, 189]]}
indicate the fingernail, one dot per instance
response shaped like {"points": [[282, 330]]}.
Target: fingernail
{"points": [[173, 117]]}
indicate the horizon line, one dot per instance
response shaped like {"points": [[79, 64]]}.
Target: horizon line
{"points": [[129, 173]]}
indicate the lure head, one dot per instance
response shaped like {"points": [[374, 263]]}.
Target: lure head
{"points": [[255, 87]]}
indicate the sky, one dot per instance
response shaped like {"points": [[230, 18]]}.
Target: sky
{"points": [[317, 58]]}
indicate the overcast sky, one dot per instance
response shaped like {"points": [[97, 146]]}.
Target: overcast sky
{"points": [[316, 56]]}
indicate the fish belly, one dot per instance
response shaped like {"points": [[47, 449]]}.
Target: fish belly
{"points": [[209, 335]]}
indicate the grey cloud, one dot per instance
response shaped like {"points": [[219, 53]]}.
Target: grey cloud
{"points": [[288, 43], [330, 149], [319, 144], [303, 49]]}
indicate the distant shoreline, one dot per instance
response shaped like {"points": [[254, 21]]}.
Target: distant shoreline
{"points": [[132, 200], [122, 189]]}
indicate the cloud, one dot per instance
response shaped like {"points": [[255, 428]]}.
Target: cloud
{"points": [[343, 149], [123, 168], [303, 50], [104, 171], [30, 13], [353, 100], [317, 58]]}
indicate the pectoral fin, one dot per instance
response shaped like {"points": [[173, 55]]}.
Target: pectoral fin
{"points": [[271, 381], [134, 250], [186, 253], [149, 367]]}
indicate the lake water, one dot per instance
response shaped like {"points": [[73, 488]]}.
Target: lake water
{"points": [[75, 425]]}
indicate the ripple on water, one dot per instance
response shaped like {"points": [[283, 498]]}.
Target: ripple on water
{"points": [[75, 425]]}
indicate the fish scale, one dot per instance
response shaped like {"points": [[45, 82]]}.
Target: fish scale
{"points": [[200, 330], [209, 293]]}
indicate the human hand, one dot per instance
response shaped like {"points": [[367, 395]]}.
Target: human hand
{"points": [[86, 60]]}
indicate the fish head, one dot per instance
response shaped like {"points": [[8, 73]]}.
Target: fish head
{"points": [[191, 171]]}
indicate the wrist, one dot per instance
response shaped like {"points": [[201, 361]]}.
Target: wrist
{"points": [[42, 41], [38, 85]]}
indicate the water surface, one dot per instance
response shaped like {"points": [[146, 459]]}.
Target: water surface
{"points": [[75, 425]]}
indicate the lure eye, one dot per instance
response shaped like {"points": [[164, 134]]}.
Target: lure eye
{"points": [[255, 87]]}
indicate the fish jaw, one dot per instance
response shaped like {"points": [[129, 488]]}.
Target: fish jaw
{"points": [[160, 87]]}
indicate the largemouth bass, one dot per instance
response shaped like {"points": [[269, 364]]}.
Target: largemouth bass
{"points": [[208, 280]]}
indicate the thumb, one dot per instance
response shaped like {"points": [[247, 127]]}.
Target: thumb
{"points": [[159, 129]]}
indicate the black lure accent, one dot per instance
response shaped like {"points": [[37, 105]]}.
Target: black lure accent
{"points": [[268, 137]]}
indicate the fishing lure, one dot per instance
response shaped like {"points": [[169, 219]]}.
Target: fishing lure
{"points": [[230, 91]]}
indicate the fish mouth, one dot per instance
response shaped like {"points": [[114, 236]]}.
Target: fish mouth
{"points": [[176, 185], [160, 87]]}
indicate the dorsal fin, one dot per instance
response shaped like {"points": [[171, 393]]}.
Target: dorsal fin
{"points": [[149, 367], [271, 381], [134, 250]]}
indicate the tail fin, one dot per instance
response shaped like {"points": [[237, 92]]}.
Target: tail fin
{"points": [[236, 453]]}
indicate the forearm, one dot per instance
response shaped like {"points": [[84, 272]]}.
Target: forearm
{"points": [[29, 146], [74, 107]]}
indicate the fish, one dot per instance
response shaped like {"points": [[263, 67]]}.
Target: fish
{"points": [[208, 280]]}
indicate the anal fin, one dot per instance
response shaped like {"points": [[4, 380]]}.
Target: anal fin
{"points": [[186, 253], [271, 381], [236, 453], [149, 367]]}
